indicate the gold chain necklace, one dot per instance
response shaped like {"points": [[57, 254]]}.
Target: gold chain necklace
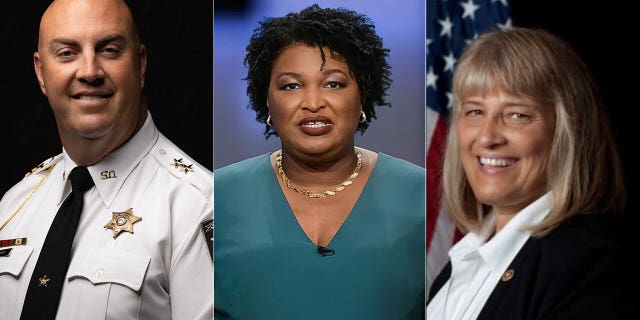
{"points": [[311, 194]]}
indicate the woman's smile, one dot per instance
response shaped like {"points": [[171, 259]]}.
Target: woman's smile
{"points": [[315, 126]]}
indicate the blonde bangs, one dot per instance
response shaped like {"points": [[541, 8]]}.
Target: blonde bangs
{"points": [[479, 77], [514, 64]]}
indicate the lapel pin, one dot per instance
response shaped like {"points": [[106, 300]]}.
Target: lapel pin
{"points": [[508, 275]]}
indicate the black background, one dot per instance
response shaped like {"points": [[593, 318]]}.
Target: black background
{"points": [[603, 34], [179, 81]]}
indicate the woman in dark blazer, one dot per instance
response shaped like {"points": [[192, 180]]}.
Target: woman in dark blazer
{"points": [[533, 175]]}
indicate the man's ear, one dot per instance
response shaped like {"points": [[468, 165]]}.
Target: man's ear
{"points": [[142, 60], [37, 66]]}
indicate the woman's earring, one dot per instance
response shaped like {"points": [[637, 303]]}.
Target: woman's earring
{"points": [[363, 117], [269, 121]]}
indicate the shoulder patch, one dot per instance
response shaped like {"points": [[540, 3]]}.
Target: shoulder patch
{"points": [[44, 165], [207, 230]]}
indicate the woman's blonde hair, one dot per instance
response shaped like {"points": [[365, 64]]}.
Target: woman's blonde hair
{"points": [[584, 174]]}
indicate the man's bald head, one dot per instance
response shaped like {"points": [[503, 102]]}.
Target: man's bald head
{"points": [[62, 12]]}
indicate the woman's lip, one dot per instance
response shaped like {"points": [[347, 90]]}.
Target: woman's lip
{"points": [[315, 126], [317, 119]]}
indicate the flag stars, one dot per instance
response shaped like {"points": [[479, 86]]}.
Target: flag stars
{"points": [[429, 41], [506, 25], [468, 41], [449, 100], [431, 79], [447, 25], [449, 61], [469, 9]]}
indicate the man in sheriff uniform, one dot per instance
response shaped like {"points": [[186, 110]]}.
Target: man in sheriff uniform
{"points": [[142, 244]]}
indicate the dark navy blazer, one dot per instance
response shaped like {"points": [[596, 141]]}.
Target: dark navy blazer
{"points": [[580, 270]]}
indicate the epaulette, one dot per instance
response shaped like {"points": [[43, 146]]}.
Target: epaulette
{"points": [[44, 165], [184, 168]]}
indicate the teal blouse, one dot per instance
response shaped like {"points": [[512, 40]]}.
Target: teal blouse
{"points": [[267, 268]]}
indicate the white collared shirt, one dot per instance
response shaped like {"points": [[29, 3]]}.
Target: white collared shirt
{"points": [[477, 264], [163, 270]]}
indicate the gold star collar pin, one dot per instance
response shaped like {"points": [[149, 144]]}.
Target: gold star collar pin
{"points": [[177, 163], [181, 166], [122, 221]]}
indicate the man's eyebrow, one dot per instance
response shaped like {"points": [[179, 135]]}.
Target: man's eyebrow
{"points": [[61, 41], [111, 38], [101, 42]]}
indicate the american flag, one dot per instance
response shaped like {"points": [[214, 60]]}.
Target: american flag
{"points": [[451, 24]]}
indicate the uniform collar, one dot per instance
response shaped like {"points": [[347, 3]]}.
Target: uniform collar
{"points": [[110, 173]]}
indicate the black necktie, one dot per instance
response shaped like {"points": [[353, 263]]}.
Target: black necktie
{"points": [[48, 277]]}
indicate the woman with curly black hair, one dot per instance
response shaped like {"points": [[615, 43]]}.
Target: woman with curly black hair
{"points": [[320, 229]]}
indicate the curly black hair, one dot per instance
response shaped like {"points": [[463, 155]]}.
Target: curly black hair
{"points": [[349, 34]]}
